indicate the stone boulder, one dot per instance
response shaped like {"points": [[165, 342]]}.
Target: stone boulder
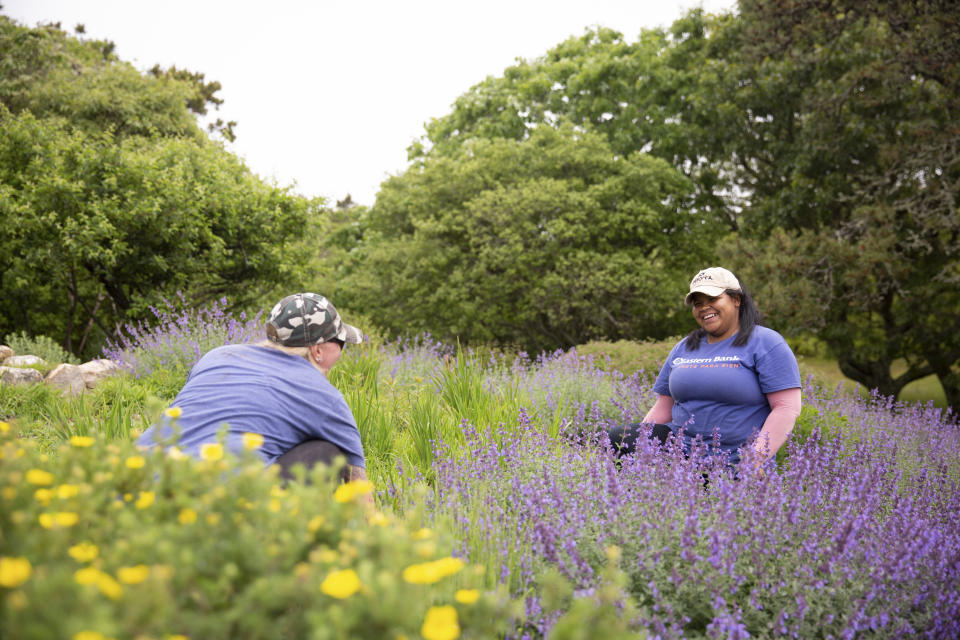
{"points": [[22, 361], [5, 352], [96, 370], [17, 375], [66, 377]]}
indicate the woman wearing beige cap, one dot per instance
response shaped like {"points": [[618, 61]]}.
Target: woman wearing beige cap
{"points": [[731, 376]]}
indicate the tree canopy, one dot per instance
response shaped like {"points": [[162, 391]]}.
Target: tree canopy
{"points": [[112, 198]]}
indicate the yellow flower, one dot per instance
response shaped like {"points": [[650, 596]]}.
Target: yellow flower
{"points": [[187, 516], [135, 462], [14, 571], [59, 519], [89, 575], [440, 624], [66, 491], [89, 635], [466, 596], [315, 523], [422, 534], [213, 519], [252, 440], [175, 454], [176, 636], [211, 451], [83, 552], [349, 491], [341, 584], [145, 500], [379, 520], [173, 412], [39, 477], [133, 575], [109, 587], [82, 441], [430, 572], [4, 426], [9, 493], [43, 496]]}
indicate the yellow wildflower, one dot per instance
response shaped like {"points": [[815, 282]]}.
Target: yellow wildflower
{"points": [[108, 586], [4, 426], [88, 575], [89, 635], [422, 534], [133, 575], [213, 519], [83, 552], [43, 496], [430, 572], [59, 519], [145, 500], [175, 453], [252, 440], [347, 492], [176, 636], [39, 477], [66, 491], [466, 596], [379, 520], [341, 584], [440, 624], [8, 493], [14, 571], [211, 451], [82, 441], [315, 523], [173, 412], [187, 516], [135, 462], [326, 556]]}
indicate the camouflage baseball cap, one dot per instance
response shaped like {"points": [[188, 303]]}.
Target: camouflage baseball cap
{"points": [[304, 319]]}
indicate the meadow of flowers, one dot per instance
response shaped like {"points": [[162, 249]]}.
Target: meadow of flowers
{"points": [[500, 512]]}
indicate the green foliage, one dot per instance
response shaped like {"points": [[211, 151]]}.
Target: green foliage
{"points": [[41, 346], [542, 243], [629, 357], [151, 545], [106, 227], [112, 198], [117, 408]]}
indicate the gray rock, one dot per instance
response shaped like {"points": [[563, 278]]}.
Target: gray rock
{"points": [[96, 370], [5, 352], [16, 375], [22, 361], [66, 377]]}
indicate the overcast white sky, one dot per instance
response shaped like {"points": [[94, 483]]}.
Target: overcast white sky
{"points": [[328, 95]]}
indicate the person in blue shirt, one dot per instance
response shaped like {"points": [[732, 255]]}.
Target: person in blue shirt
{"points": [[731, 376], [276, 390]]}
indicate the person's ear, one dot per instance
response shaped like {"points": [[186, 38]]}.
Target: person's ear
{"points": [[317, 353]]}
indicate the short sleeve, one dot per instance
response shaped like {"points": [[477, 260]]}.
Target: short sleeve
{"points": [[662, 385], [777, 369]]}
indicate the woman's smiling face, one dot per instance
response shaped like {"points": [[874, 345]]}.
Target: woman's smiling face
{"points": [[719, 316]]}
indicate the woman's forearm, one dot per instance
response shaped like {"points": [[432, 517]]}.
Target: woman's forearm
{"points": [[661, 412], [784, 411]]}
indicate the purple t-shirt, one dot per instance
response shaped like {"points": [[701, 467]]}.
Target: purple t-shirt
{"points": [[721, 386], [245, 388]]}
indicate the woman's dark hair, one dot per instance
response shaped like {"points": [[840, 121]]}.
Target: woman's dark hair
{"points": [[750, 317]]}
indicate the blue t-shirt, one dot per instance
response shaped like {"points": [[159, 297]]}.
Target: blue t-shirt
{"points": [[721, 386], [254, 389]]}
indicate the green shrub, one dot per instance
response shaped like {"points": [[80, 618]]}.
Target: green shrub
{"points": [[132, 544], [41, 346], [629, 357]]}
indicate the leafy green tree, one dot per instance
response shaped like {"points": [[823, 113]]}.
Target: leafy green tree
{"points": [[544, 242], [849, 136], [112, 198]]}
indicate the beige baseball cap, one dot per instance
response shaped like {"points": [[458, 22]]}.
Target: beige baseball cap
{"points": [[712, 282]]}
